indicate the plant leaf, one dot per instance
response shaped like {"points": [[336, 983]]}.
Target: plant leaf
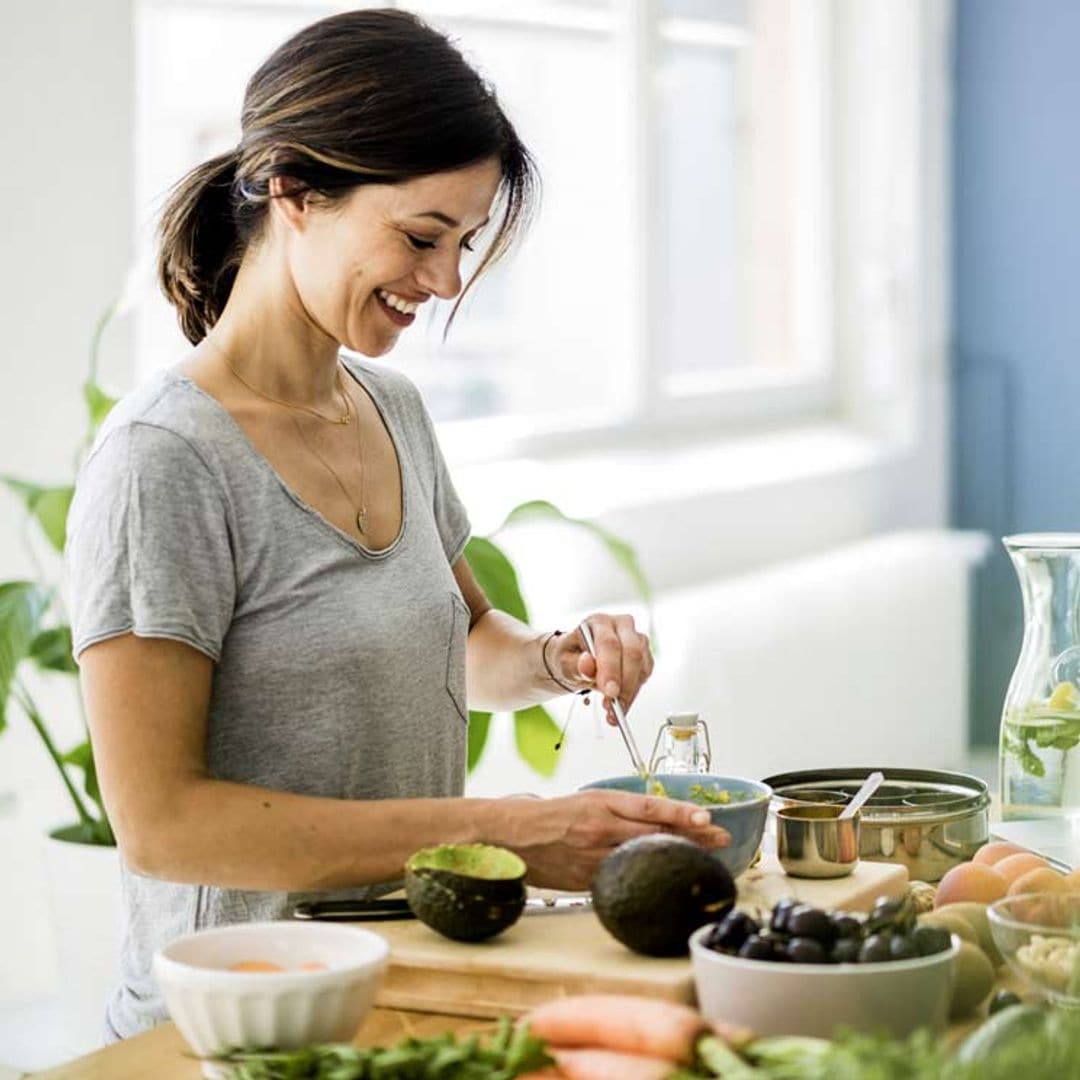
{"points": [[22, 604], [479, 723], [536, 734], [97, 831], [86, 832], [82, 758], [620, 550], [496, 576], [98, 403], [49, 505], [51, 651]]}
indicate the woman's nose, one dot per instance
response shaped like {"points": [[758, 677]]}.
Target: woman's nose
{"points": [[440, 273]]}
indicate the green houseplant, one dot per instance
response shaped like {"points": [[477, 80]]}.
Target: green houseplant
{"points": [[35, 632], [34, 629]]}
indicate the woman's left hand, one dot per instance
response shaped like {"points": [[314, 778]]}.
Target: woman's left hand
{"points": [[623, 659]]}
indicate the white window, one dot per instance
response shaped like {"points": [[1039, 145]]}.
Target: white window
{"points": [[680, 269]]}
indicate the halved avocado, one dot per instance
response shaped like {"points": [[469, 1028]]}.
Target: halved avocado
{"points": [[468, 892], [652, 892]]}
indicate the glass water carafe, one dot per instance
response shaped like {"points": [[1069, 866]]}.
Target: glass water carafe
{"points": [[682, 746], [1040, 724]]}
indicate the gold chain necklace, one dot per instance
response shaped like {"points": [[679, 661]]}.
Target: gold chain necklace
{"points": [[359, 509], [339, 384]]}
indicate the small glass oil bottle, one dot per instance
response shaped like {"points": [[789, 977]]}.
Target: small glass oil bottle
{"points": [[682, 746]]}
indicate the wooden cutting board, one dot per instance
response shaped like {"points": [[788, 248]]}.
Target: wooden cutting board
{"points": [[560, 951]]}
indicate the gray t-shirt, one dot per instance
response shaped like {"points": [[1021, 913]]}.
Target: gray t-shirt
{"points": [[339, 672]]}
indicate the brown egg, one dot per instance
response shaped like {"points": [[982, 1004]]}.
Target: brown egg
{"points": [[1043, 879], [255, 965], [995, 851], [1014, 866], [970, 881]]}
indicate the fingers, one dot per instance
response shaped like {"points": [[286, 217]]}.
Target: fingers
{"points": [[673, 815], [623, 663]]}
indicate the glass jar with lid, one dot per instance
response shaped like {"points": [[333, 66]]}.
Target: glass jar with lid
{"points": [[682, 746]]}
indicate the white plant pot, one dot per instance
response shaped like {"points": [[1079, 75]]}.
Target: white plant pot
{"points": [[84, 886]]}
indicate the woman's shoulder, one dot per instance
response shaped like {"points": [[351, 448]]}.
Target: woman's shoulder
{"points": [[166, 417]]}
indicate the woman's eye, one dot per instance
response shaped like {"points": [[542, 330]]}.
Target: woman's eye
{"points": [[418, 243]]}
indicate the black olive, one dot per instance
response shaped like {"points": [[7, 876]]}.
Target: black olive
{"points": [[731, 931], [1003, 999], [846, 951], [780, 914], [846, 926], [902, 948], [806, 921], [875, 949], [931, 939], [883, 915], [898, 915], [803, 950], [758, 948]]}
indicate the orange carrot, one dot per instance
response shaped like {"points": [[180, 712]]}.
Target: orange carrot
{"points": [[620, 1022], [609, 1065]]}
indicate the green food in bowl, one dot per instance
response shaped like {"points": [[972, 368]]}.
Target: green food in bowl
{"points": [[467, 892], [703, 794]]}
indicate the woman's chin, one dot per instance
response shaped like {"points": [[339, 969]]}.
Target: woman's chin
{"points": [[371, 348]]}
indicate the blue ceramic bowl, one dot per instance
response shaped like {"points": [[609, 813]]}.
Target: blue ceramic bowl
{"points": [[744, 817]]}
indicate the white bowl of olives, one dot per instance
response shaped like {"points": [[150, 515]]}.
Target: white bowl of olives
{"points": [[803, 971]]}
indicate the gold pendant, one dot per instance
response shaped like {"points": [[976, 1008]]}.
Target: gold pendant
{"points": [[361, 520]]}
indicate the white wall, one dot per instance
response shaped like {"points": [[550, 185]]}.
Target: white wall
{"points": [[65, 79]]}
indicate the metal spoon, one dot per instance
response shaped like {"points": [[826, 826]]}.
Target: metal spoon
{"points": [[620, 716], [869, 786]]}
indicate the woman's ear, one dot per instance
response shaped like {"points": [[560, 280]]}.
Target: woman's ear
{"points": [[290, 199]]}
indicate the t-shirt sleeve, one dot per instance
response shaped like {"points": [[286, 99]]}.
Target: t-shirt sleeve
{"points": [[451, 517], [148, 548]]}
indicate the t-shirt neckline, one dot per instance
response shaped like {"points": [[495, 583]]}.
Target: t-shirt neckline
{"points": [[262, 463]]}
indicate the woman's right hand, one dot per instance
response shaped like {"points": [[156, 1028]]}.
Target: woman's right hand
{"points": [[564, 839]]}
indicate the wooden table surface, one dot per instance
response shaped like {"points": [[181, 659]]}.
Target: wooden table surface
{"points": [[163, 1055]]}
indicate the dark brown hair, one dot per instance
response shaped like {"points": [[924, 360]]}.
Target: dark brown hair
{"points": [[362, 97]]}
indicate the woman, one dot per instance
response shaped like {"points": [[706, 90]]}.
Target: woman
{"points": [[271, 611]]}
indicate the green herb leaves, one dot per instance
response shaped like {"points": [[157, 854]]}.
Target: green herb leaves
{"points": [[510, 1052]]}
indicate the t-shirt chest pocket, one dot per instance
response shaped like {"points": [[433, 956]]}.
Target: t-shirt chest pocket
{"points": [[455, 654]]}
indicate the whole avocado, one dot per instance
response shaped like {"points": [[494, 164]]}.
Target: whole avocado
{"points": [[651, 893]]}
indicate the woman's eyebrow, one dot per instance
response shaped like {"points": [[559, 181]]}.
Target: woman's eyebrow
{"points": [[438, 215]]}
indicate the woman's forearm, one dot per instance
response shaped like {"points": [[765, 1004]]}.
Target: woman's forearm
{"points": [[505, 667], [242, 836]]}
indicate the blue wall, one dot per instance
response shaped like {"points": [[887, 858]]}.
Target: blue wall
{"points": [[1016, 277]]}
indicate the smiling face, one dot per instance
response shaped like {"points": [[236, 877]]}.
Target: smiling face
{"points": [[362, 267]]}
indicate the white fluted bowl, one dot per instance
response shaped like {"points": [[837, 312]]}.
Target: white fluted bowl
{"points": [[218, 1010]]}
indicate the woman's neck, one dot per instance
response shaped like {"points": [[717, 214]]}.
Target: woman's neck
{"points": [[267, 336]]}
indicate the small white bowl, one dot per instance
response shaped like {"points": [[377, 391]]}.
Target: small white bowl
{"points": [[218, 1010], [778, 998]]}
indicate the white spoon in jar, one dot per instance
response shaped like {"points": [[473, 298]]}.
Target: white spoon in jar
{"points": [[869, 786]]}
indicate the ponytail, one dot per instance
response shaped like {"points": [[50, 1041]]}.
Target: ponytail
{"points": [[200, 244]]}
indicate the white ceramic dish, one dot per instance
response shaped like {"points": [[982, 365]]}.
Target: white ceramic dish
{"points": [[218, 1010], [816, 999]]}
